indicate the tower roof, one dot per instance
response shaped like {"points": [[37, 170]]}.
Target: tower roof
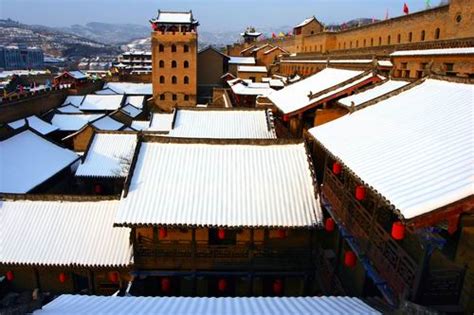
{"points": [[174, 17]]}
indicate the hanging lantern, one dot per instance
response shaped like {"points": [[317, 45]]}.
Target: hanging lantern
{"points": [[336, 168], [329, 225], [165, 285], [350, 259], [221, 234], [286, 118], [163, 232], [222, 285], [10, 276], [277, 287], [62, 277], [398, 231], [113, 276], [360, 193], [281, 233], [98, 188]]}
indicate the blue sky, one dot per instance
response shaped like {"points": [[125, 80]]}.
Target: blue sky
{"points": [[213, 14]]}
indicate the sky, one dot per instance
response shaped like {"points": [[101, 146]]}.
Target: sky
{"points": [[213, 15]]}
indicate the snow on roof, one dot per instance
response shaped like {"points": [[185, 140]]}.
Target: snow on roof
{"points": [[131, 111], [276, 83], [432, 52], [78, 75], [295, 96], [385, 63], [108, 155], [66, 304], [242, 60], [140, 125], [135, 101], [305, 22], [275, 48], [174, 17], [69, 109], [74, 100], [416, 148], [161, 122], [27, 160], [367, 95], [35, 123], [106, 92], [224, 124], [248, 48], [129, 88], [261, 69], [107, 123], [261, 47], [63, 233], [251, 88], [194, 182], [73, 122], [101, 102]]}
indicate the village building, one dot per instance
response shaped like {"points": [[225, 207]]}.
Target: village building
{"points": [[127, 88], [250, 35], [134, 108], [31, 163], [134, 61], [69, 123], [235, 62], [303, 66], [63, 244], [174, 53], [212, 65], [35, 123], [106, 162], [199, 248], [101, 103], [245, 92], [253, 73], [207, 306], [72, 78], [397, 181]]}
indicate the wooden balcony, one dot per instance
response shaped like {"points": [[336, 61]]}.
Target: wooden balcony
{"points": [[201, 255]]}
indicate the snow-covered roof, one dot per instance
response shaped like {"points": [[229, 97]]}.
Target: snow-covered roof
{"points": [[385, 63], [35, 123], [262, 47], [63, 233], [305, 22], [432, 52], [242, 60], [95, 102], [296, 96], [69, 109], [161, 122], [174, 17], [372, 93], [78, 75], [276, 83], [416, 149], [27, 160], [261, 69], [131, 111], [129, 88], [73, 122], [67, 304], [224, 124], [194, 182], [244, 88], [74, 100], [275, 48], [140, 125], [135, 101], [107, 123], [109, 155]]}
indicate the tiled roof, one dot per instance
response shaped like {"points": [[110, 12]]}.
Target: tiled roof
{"points": [[35, 123], [84, 304], [242, 60], [174, 17], [416, 149], [262, 69], [69, 109], [430, 52], [370, 94], [109, 155], [221, 184], [27, 160], [129, 88], [107, 123], [131, 111], [95, 102], [161, 122], [305, 22], [63, 233], [135, 101], [73, 122], [75, 100]]}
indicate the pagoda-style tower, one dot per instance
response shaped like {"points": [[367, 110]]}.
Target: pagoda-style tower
{"points": [[174, 55], [250, 35]]}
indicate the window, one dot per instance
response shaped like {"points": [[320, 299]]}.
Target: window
{"points": [[173, 48], [422, 37], [365, 42], [162, 97], [161, 48], [186, 97], [344, 45], [410, 37], [175, 97], [399, 38], [371, 42], [350, 44], [174, 80], [173, 64], [357, 44], [404, 65], [459, 18], [162, 64], [437, 33], [186, 80], [162, 79], [380, 41], [186, 64], [186, 48], [389, 40]]}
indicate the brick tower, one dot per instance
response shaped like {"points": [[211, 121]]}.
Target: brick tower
{"points": [[174, 55]]}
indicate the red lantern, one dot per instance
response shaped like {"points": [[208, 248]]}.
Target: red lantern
{"points": [[349, 259], [62, 277], [221, 234], [398, 231], [163, 233], [286, 118], [98, 189], [329, 225], [281, 233], [360, 193], [277, 287], [222, 285], [336, 168], [113, 276], [165, 285], [10, 276]]}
